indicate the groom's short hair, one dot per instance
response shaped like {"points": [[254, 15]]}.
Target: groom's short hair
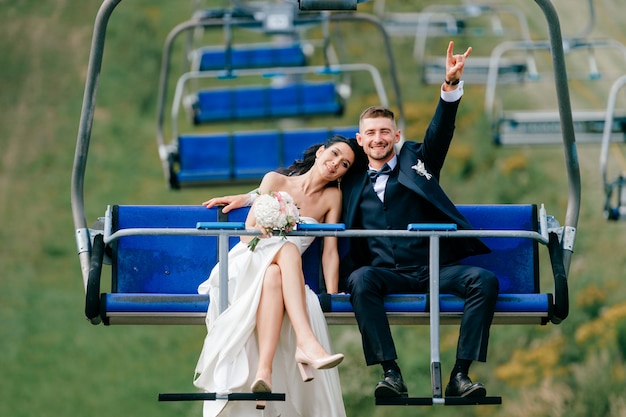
{"points": [[373, 112]]}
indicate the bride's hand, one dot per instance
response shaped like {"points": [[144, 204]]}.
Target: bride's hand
{"points": [[230, 202], [266, 232]]}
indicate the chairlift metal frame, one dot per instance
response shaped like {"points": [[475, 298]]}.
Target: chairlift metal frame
{"points": [[568, 44], [450, 13], [84, 235], [302, 19], [477, 67], [495, 115]]}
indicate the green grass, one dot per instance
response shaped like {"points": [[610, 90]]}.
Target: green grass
{"points": [[54, 363]]}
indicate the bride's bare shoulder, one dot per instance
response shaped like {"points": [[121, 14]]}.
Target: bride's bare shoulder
{"points": [[332, 196], [272, 181], [332, 192]]}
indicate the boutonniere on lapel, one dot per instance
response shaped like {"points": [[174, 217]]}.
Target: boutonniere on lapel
{"points": [[420, 168]]}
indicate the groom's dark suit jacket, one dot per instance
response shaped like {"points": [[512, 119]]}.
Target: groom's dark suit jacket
{"points": [[432, 152]]}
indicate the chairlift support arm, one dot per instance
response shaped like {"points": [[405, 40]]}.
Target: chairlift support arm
{"points": [[555, 45], [567, 127], [84, 136]]}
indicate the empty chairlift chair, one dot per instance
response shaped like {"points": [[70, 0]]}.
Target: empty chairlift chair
{"points": [[467, 20], [241, 103], [264, 55], [235, 92], [299, 100], [533, 127]]}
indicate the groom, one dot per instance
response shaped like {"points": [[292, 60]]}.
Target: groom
{"points": [[400, 189]]}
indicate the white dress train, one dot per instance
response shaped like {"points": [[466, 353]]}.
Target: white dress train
{"points": [[229, 357]]}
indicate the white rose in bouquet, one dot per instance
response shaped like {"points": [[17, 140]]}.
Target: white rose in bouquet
{"points": [[275, 211]]}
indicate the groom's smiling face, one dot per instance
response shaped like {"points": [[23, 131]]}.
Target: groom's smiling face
{"points": [[378, 136]]}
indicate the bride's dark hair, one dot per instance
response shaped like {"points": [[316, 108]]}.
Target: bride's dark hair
{"points": [[300, 166]]}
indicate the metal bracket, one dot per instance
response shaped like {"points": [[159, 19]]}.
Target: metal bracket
{"points": [[568, 238], [83, 242]]}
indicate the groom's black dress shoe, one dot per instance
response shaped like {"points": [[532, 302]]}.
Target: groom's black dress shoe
{"points": [[391, 386], [461, 386]]}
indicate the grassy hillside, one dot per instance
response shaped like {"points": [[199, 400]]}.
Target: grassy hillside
{"points": [[54, 363]]}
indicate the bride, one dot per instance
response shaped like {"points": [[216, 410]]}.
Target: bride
{"points": [[253, 345]]}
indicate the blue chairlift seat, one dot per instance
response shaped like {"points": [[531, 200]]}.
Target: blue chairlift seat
{"points": [[215, 157], [155, 278], [220, 104], [288, 100], [202, 157], [266, 55], [316, 99], [301, 99], [250, 102], [295, 141], [348, 132], [255, 153]]}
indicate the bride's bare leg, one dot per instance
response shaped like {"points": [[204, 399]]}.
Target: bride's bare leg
{"points": [[269, 319], [290, 262]]}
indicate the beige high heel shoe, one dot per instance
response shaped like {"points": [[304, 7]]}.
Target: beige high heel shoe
{"points": [[305, 364], [260, 385]]}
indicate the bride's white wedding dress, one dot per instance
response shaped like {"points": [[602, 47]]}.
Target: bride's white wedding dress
{"points": [[229, 357]]}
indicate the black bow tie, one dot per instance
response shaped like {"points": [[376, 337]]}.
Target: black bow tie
{"points": [[385, 170]]}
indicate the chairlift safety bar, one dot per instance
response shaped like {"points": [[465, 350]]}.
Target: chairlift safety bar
{"points": [[432, 231]]}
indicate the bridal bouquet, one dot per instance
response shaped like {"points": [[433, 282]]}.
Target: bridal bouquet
{"points": [[275, 211]]}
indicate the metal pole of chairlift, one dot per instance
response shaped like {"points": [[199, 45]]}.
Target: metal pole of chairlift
{"points": [[84, 135], [422, 28], [223, 270], [435, 348], [494, 68], [608, 122], [590, 22], [567, 129]]}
